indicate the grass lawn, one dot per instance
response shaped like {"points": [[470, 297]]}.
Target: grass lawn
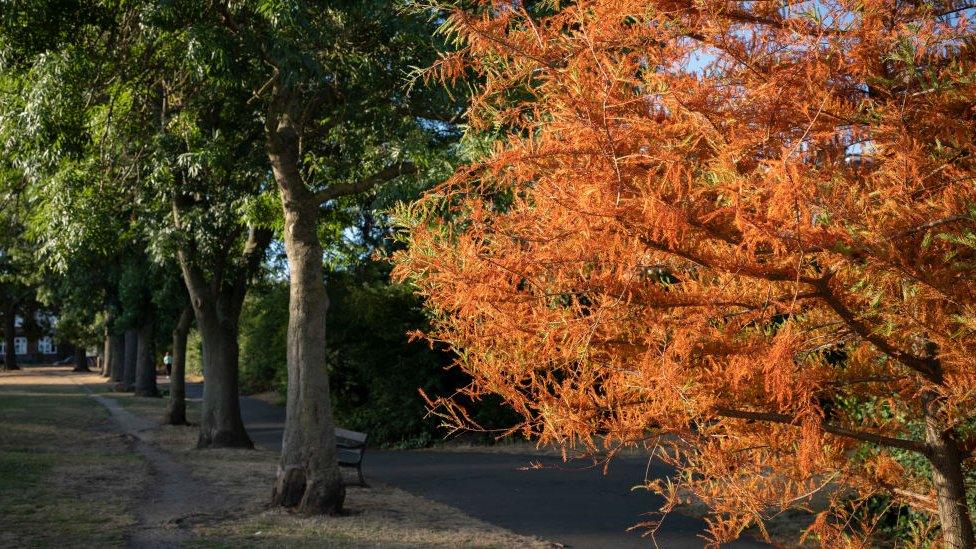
{"points": [[65, 473]]}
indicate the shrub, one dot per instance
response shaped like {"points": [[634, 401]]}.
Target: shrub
{"points": [[375, 370]]}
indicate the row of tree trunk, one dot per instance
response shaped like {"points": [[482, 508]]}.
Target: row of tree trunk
{"points": [[215, 305], [129, 359]]}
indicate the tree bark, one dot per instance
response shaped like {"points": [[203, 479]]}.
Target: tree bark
{"points": [[217, 307], [947, 476], [129, 360], [106, 358], [103, 358], [221, 425], [176, 411], [308, 477], [9, 333], [116, 357], [81, 359], [145, 385]]}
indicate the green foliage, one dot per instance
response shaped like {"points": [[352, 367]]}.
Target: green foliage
{"points": [[194, 354], [375, 370], [897, 521], [263, 338]]}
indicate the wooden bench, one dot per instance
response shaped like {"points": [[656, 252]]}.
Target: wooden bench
{"points": [[352, 446]]}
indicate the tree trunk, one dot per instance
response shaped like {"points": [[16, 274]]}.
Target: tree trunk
{"points": [[116, 357], [106, 358], [103, 356], [9, 333], [81, 360], [218, 319], [146, 360], [129, 360], [176, 411], [217, 306], [221, 425], [308, 473], [947, 477]]}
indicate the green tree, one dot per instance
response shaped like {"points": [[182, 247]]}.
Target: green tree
{"points": [[338, 123], [155, 120]]}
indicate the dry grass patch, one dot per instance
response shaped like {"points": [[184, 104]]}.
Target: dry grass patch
{"points": [[378, 516], [150, 408], [64, 473]]}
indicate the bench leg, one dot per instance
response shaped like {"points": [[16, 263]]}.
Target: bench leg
{"points": [[362, 479]]}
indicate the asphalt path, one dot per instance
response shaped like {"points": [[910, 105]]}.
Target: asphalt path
{"points": [[573, 503]]}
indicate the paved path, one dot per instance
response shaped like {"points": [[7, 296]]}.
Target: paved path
{"points": [[573, 504]]}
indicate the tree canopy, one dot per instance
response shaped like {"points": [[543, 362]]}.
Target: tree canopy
{"points": [[739, 234]]}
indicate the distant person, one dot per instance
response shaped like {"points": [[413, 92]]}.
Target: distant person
{"points": [[168, 363]]}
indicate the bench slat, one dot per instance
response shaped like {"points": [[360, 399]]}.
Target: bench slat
{"points": [[351, 457], [351, 447], [350, 435]]}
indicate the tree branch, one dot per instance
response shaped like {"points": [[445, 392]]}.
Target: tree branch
{"points": [[926, 367], [258, 240], [196, 283], [862, 436], [382, 176], [931, 224]]}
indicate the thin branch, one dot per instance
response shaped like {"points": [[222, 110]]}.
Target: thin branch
{"points": [[194, 278], [258, 240], [863, 436], [931, 224], [926, 367], [382, 176]]}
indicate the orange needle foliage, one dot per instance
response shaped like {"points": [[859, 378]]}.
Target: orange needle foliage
{"points": [[740, 232]]}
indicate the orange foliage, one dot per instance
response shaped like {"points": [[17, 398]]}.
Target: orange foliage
{"points": [[739, 233]]}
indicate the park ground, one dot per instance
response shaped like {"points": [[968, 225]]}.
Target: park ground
{"points": [[81, 464]]}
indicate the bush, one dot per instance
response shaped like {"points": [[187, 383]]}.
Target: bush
{"points": [[375, 371], [263, 338]]}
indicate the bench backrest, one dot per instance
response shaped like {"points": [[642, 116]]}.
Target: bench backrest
{"points": [[350, 438]]}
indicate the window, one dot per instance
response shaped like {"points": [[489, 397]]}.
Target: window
{"points": [[20, 345], [46, 346]]}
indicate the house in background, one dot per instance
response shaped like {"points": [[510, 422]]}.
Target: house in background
{"points": [[36, 342]]}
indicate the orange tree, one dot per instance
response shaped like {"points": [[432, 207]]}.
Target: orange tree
{"points": [[738, 233]]}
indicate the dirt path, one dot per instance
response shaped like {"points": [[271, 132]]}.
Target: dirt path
{"points": [[173, 500]]}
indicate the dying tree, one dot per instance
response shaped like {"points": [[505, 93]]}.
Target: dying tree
{"points": [[742, 232]]}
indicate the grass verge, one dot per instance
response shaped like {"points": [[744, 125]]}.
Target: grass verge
{"points": [[65, 474]]}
